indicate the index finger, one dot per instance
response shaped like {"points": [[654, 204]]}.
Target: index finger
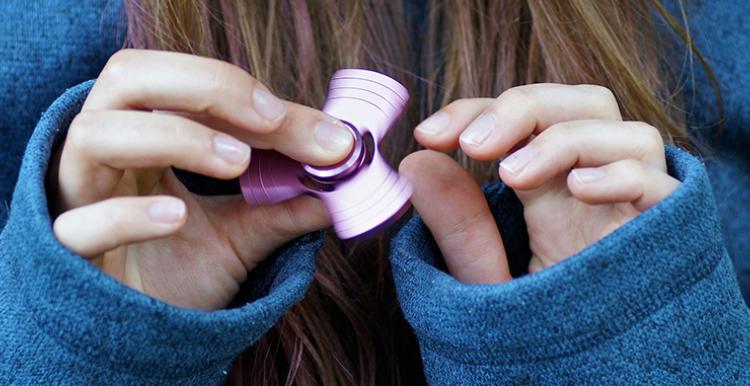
{"points": [[176, 82], [160, 80], [486, 129]]}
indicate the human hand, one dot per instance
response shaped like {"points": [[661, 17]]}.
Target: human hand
{"points": [[618, 171], [121, 206]]}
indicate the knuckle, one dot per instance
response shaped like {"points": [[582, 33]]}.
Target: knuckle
{"points": [[109, 210], [220, 79], [178, 132], [225, 81], [560, 129], [459, 105], [79, 133], [631, 166], [558, 133], [520, 96], [605, 97], [652, 137], [118, 66], [227, 78], [466, 225], [116, 224], [187, 136], [632, 172], [601, 92], [520, 99]]}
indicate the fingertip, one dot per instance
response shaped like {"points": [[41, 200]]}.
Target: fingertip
{"points": [[335, 141], [476, 140], [168, 211], [97, 228], [233, 153], [434, 124], [435, 142], [526, 169], [582, 182], [480, 153], [417, 164], [407, 164], [436, 132], [515, 181], [58, 225]]}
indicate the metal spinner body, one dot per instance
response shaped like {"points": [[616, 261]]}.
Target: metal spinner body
{"points": [[362, 193]]}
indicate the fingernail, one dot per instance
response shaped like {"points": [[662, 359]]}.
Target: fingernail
{"points": [[267, 105], [333, 137], [585, 175], [479, 130], [435, 123], [230, 149], [515, 162], [166, 210]]}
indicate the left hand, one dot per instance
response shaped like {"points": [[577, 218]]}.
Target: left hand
{"points": [[580, 171]]}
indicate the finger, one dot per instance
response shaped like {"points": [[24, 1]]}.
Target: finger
{"points": [[440, 131], [97, 228], [525, 110], [170, 81], [161, 80], [625, 181], [302, 136], [101, 144], [581, 144], [257, 231], [456, 212]]}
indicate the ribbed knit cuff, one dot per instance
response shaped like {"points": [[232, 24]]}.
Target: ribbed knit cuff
{"points": [[106, 324], [576, 304]]}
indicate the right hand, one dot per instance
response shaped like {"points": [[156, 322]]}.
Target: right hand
{"points": [[121, 206]]}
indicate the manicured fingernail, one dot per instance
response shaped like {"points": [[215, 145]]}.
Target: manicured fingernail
{"points": [[267, 105], [435, 123], [230, 149], [515, 162], [586, 175], [166, 210], [479, 130], [333, 137]]}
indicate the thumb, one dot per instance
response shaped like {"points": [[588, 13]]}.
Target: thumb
{"points": [[256, 231], [456, 212]]}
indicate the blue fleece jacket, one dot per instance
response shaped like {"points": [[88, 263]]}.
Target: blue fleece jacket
{"points": [[655, 302]]}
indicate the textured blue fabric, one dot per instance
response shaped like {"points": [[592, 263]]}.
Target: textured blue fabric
{"points": [[46, 47], [656, 302], [722, 33], [66, 322]]}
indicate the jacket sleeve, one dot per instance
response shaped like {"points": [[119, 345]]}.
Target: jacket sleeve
{"points": [[63, 321], [655, 302]]}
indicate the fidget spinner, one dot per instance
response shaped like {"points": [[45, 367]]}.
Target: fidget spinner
{"points": [[362, 193]]}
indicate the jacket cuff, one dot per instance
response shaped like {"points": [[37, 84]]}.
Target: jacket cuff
{"points": [[106, 324], [575, 305]]}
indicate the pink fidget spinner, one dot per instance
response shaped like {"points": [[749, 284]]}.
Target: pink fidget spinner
{"points": [[362, 193]]}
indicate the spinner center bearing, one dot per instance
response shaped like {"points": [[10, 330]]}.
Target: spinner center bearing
{"points": [[344, 168]]}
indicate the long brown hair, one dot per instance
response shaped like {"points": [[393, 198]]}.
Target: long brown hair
{"points": [[348, 329]]}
